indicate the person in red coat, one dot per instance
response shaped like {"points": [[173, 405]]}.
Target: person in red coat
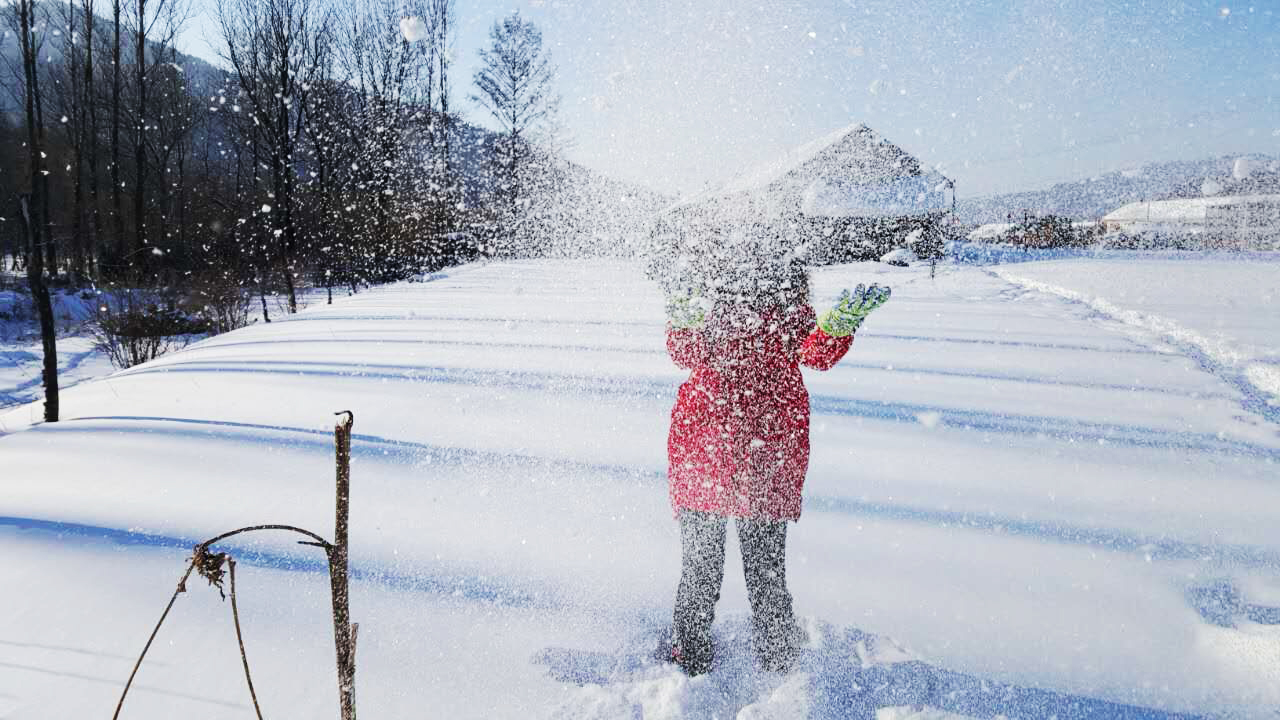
{"points": [[739, 445]]}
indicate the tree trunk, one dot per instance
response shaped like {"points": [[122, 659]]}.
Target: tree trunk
{"points": [[117, 200], [446, 12], [262, 295], [34, 226], [77, 165], [140, 145], [91, 105], [40, 179], [264, 269], [91, 130], [284, 200], [182, 195], [44, 308]]}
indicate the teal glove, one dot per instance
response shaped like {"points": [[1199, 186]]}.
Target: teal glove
{"points": [[685, 313], [851, 309]]}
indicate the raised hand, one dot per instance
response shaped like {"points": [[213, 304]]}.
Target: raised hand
{"points": [[851, 309]]}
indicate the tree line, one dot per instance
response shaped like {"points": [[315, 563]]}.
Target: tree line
{"points": [[327, 151]]}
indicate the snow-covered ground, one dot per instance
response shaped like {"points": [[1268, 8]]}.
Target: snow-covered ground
{"points": [[21, 355], [1222, 309], [1016, 505], [21, 364]]}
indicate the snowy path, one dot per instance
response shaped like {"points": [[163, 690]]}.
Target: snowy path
{"points": [[1225, 313], [1009, 486]]}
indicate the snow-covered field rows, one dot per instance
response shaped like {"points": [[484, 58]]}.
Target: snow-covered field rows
{"points": [[1050, 513]]}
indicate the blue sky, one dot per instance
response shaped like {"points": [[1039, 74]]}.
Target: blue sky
{"points": [[1002, 96]]}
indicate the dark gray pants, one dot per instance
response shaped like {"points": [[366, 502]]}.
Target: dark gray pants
{"points": [[764, 554]]}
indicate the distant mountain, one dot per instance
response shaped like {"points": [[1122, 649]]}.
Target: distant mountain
{"points": [[1092, 198], [201, 77]]}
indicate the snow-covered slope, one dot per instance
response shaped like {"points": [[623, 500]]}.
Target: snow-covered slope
{"points": [[1046, 513]]}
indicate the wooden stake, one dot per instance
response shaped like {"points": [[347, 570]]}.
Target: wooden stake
{"points": [[344, 632]]}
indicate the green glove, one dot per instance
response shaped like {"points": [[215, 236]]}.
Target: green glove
{"points": [[851, 309], [685, 313]]}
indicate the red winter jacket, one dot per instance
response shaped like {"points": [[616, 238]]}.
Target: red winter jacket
{"points": [[739, 441]]}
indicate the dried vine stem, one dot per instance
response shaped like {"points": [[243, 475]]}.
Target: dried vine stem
{"points": [[209, 566], [182, 587], [235, 616], [317, 540]]}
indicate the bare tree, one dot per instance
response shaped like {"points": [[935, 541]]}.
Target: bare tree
{"points": [[140, 27], [90, 120], [386, 102], [155, 24], [441, 21], [444, 176], [277, 50], [389, 76], [72, 93], [35, 216]]}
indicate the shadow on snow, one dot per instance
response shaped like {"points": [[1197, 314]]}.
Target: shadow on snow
{"points": [[512, 464], [839, 677], [630, 388], [469, 588]]}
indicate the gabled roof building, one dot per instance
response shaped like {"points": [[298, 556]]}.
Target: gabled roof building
{"points": [[848, 195]]}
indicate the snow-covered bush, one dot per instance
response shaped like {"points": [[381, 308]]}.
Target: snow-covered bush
{"points": [[902, 257]]}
